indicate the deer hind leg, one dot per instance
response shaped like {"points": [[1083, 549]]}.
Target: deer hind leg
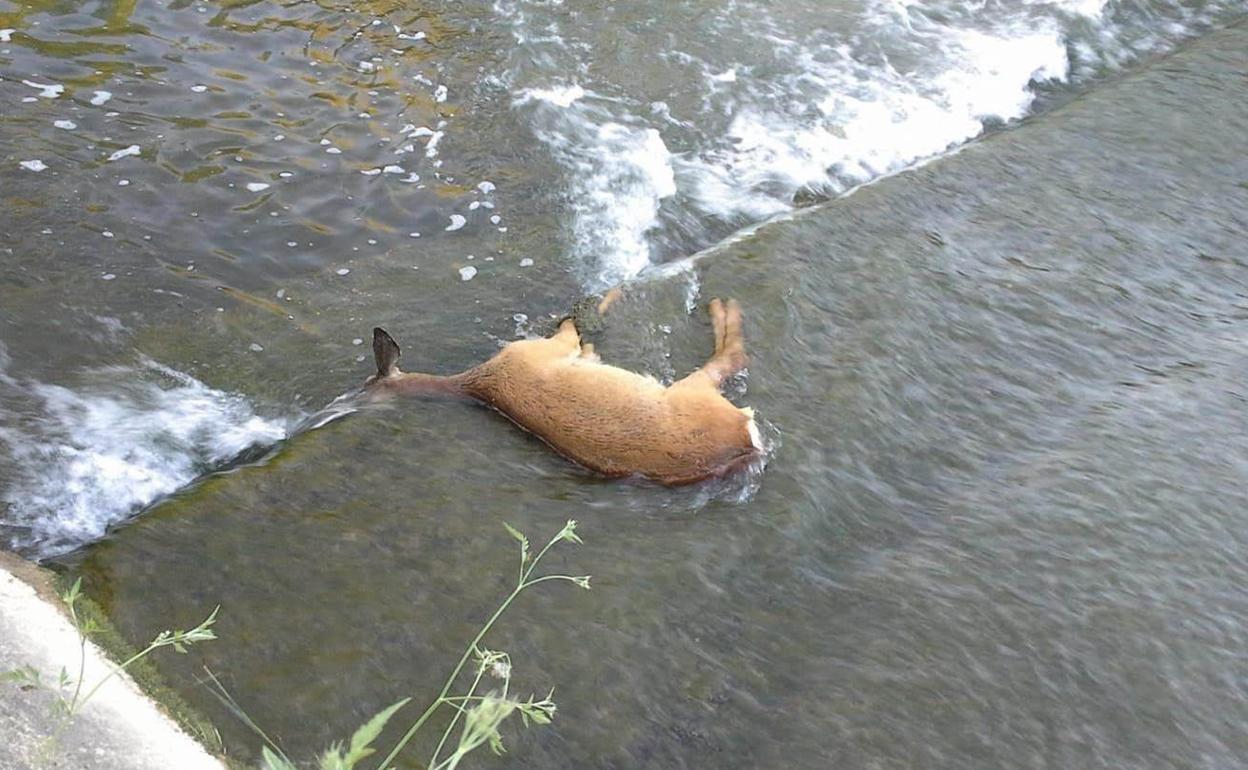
{"points": [[729, 357]]}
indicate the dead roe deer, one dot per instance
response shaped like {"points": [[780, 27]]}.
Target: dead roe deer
{"points": [[607, 419]]}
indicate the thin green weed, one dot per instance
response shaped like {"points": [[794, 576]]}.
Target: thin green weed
{"points": [[477, 715]]}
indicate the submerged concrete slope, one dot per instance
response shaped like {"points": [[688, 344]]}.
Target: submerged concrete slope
{"points": [[118, 728], [1002, 333]]}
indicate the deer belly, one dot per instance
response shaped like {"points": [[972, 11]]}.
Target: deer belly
{"points": [[619, 423]]}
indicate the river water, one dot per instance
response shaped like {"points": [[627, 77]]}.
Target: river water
{"points": [[1002, 518]]}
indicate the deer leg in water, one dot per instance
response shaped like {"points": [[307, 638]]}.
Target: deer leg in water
{"points": [[567, 339], [719, 324], [587, 351], [609, 299], [729, 357]]}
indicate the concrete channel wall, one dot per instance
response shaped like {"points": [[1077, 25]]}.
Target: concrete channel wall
{"points": [[118, 728]]}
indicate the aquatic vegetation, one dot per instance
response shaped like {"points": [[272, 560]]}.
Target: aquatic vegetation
{"points": [[482, 714]]}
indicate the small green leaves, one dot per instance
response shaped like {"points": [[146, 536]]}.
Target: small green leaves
{"points": [[180, 640], [524, 542], [568, 532], [482, 715], [273, 761], [70, 597], [541, 712], [26, 677], [203, 632], [481, 725], [363, 738]]}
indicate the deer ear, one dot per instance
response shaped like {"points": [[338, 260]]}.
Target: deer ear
{"points": [[386, 352]]}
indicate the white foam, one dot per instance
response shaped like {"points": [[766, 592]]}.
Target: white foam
{"points": [[46, 90], [1091, 9], [125, 153], [559, 96], [33, 165], [102, 451], [869, 123], [467, 273], [619, 176], [257, 186], [431, 147], [6, 35], [778, 102], [67, 125], [100, 97], [457, 221]]}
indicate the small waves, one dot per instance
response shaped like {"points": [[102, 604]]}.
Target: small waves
{"points": [[96, 454], [620, 175], [674, 130], [866, 120]]}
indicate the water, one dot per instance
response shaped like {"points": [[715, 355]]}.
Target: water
{"points": [[1001, 524], [94, 455], [166, 165]]}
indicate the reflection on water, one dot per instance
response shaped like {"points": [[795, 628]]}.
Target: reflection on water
{"points": [[303, 136]]}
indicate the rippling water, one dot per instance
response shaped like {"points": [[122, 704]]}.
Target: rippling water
{"points": [[1001, 526], [163, 164]]}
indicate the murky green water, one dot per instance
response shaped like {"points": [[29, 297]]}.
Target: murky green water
{"points": [[1004, 522]]}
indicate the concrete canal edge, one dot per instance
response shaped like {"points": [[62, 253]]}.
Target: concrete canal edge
{"points": [[120, 728]]}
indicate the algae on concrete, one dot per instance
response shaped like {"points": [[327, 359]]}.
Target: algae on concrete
{"points": [[119, 727]]}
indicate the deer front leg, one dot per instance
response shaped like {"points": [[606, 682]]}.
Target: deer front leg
{"points": [[567, 340]]}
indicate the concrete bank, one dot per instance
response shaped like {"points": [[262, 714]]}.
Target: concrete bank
{"points": [[119, 728]]}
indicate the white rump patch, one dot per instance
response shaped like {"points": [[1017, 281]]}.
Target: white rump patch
{"points": [[756, 436]]}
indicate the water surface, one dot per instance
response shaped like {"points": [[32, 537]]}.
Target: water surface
{"points": [[1002, 522]]}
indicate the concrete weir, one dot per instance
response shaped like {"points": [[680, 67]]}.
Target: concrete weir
{"points": [[118, 728], [1090, 196]]}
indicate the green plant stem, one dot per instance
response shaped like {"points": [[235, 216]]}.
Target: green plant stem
{"points": [[228, 701], [450, 682], [82, 663], [407, 737], [544, 578], [117, 670], [433, 761]]}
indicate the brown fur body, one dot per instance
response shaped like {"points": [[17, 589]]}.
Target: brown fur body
{"points": [[608, 419]]}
